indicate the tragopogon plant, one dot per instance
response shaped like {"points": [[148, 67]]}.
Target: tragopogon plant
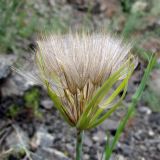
{"points": [[80, 72]]}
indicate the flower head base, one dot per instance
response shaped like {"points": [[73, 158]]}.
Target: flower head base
{"points": [[79, 70]]}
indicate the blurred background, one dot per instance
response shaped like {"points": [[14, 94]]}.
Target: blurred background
{"points": [[30, 127]]}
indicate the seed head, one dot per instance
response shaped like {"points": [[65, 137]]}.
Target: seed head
{"points": [[75, 68]]}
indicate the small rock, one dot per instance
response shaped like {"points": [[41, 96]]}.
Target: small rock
{"points": [[139, 6], [120, 157], [47, 104], [151, 133], [46, 153], [6, 61], [145, 110], [143, 148], [155, 118], [110, 125], [86, 156], [95, 138], [139, 134], [19, 82], [101, 135], [13, 86], [88, 141], [125, 149], [158, 147], [70, 148], [4, 72], [18, 138], [58, 155], [42, 139]]}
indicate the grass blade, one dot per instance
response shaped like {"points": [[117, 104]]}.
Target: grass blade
{"points": [[95, 121], [123, 86], [135, 99], [59, 105], [99, 96]]}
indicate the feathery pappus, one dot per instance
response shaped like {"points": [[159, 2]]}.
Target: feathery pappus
{"points": [[78, 71]]}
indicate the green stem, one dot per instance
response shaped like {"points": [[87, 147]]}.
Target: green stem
{"points": [[79, 144]]}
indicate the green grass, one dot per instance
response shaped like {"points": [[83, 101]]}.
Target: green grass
{"points": [[32, 101], [8, 9], [13, 24], [152, 100], [136, 97], [130, 25], [13, 111], [19, 21], [126, 5]]}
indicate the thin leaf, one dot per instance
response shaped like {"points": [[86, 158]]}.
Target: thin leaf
{"points": [[59, 105], [108, 101], [99, 96], [124, 85], [107, 145]]}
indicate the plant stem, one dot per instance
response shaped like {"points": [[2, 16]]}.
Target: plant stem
{"points": [[79, 144]]}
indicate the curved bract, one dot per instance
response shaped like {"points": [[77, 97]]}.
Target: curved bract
{"points": [[79, 71]]}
